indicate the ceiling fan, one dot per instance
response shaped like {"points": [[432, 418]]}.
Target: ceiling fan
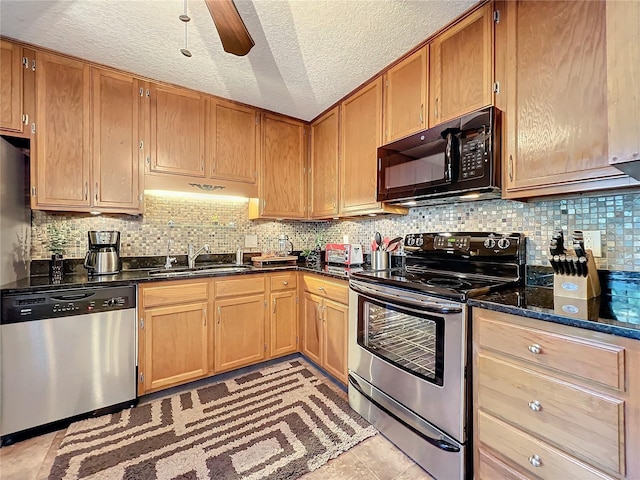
{"points": [[233, 33]]}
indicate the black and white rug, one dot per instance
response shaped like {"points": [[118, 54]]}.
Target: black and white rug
{"points": [[277, 423]]}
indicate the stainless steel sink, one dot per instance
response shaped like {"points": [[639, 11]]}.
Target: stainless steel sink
{"points": [[203, 270]]}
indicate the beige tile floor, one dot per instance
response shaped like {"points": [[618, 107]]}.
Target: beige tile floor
{"points": [[374, 459]]}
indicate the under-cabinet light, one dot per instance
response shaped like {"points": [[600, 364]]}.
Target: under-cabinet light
{"points": [[470, 195], [193, 195]]}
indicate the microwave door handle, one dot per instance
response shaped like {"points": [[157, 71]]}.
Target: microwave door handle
{"points": [[447, 157]]}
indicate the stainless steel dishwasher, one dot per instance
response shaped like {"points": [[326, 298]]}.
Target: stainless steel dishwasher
{"points": [[65, 353]]}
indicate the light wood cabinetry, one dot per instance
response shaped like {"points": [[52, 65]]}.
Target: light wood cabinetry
{"points": [[553, 401], [174, 335], [323, 165], [11, 88], [623, 80], [232, 141], [323, 324], [405, 96], [555, 83], [177, 131], [62, 133], [86, 151], [116, 180], [240, 320], [283, 321], [283, 168], [461, 67]]}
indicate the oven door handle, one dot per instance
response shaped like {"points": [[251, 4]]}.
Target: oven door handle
{"points": [[407, 301], [436, 442]]}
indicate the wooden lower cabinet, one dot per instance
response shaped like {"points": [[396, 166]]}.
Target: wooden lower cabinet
{"points": [[239, 332], [176, 345], [324, 325], [552, 401], [283, 325]]}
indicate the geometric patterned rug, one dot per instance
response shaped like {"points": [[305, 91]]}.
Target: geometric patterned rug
{"points": [[276, 423]]}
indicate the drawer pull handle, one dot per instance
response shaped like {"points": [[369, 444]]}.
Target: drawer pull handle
{"points": [[321, 289], [535, 460], [535, 348], [535, 406], [285, 283]]}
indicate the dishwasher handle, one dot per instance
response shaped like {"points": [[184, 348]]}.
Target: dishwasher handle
{"points": [[77, 296]]}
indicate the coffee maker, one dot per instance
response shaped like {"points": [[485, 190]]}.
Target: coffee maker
{"points": [[103, 257]]}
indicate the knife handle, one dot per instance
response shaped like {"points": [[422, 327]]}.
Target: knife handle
{"points": [[585, 269]]}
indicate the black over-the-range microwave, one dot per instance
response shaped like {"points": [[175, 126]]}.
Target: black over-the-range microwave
{"points": [[456, 160]]}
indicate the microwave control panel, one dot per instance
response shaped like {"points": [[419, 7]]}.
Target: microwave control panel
{"points": [[473, 155]]}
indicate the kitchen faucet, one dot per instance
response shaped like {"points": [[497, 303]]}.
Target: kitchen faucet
{"points": [[191, 255], [170, 260]]}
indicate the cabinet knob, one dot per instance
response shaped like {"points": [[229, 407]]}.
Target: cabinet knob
{"points": [[321, 289], [285, 283], [535, 460], [535, 348], [535, 406]]}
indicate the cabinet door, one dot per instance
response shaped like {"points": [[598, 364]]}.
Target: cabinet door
{"points": [[177, 131], [282, 188], [62, 131], [405, 96], [284, 323], [232, 141], [323, 170], [361, 135], [335, 316], [176, 345], [115, 180], [556, 99], [10, 86], [461, 68], [623, 80], [311, 329], [239, 332]]}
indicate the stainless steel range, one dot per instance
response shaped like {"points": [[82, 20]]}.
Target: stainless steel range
{"points": [[409, 342]]}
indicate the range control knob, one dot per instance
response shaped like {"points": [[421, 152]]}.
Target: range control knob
{"points": [[490, 243], [419, 241], [112, 302], [504, 243], [411, 241]]}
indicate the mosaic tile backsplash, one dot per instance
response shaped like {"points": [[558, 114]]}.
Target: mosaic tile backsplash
{"points": [[170, 223]]}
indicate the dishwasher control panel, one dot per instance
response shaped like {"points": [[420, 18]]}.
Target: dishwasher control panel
{"points": [[24, 307]]}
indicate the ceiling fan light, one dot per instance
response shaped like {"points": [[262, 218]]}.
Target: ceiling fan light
{"points": [[184, 17], [185, 52]]}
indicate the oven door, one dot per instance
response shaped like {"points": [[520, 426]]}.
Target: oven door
{"points": [[411, 347]]}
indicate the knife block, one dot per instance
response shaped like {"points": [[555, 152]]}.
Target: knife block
{"points": [[573, 286]]}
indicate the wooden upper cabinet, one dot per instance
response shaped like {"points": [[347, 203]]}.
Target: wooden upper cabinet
{"points": [[556, 87], [461, 67], [283, 186], [323, 169], [623, 80], [177, 131], [62, 132], [232, 141], [405, 96], [115, 181], [361, 135], [10, 86]]}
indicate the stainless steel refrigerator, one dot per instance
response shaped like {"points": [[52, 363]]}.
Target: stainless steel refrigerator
{"points": [[15, 214]]}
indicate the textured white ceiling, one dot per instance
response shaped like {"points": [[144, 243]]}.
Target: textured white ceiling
{"points": [[308, 53]]}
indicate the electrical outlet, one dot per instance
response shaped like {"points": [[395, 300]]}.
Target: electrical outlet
{"points": [[593, 242]]}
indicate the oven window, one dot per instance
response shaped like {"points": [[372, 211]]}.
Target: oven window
{"points": [[411, 341]]}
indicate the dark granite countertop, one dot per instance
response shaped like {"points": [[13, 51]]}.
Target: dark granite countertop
{"points": [[141, 275], [616, 311]]}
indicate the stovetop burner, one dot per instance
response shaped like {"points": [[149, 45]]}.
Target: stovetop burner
{"points": [[456, 266]]}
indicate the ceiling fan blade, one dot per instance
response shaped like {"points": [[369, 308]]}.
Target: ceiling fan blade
{"points": [[234, 35]]}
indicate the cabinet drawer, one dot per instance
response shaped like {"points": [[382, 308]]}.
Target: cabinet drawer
{"points": [[244, 285], [582, 422], [520, 448], [338, 292], [283, 281], [490, 468], [170, 293], [599, 362]]}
